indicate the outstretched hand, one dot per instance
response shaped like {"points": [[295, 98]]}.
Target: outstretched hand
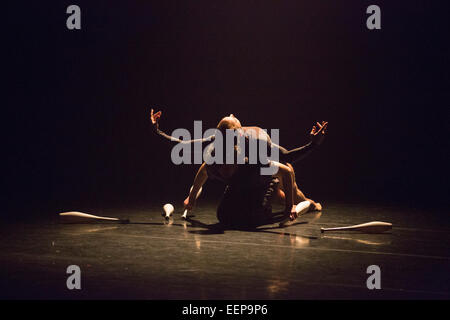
{"points": [[154, 117], [317, 134]]}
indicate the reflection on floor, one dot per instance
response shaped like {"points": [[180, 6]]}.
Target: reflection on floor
{"points": [[197, 259]]}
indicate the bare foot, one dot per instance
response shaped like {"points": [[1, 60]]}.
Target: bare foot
{"points": [[315, 206]]}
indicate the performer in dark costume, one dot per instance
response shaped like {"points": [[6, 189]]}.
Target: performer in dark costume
{"points": [[248, 196]]}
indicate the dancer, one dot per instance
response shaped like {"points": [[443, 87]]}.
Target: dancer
{"points": [[248, 195]]}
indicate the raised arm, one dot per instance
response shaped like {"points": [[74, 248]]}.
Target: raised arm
{"points": [[154, 117], [316, 135]]}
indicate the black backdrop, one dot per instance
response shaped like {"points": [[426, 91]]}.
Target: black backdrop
{"points": [[77, 108]]}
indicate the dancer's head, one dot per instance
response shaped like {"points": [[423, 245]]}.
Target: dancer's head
{"points": [[224, 171], [229, 122]]}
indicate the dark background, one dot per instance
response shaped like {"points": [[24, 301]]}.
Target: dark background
{"points": [[76, 116]]}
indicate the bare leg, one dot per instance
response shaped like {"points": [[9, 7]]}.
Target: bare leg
{"points": [[298, 194]]}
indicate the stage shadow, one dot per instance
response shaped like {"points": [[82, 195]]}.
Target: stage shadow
{"points": [[210, 229], [218, 228]]}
